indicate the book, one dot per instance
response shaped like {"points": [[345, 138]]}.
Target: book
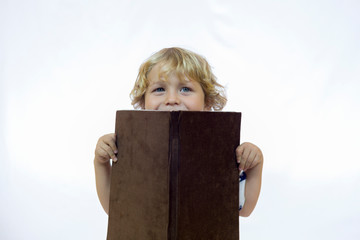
{"points": [[176, 177]]}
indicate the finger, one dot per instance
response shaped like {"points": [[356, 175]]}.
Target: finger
{"points": [[258, 159], [110, 152], [239, 151], [250, 160], [242, 164], [109, 141], [244, 158], [112, 143], [102, 155]]}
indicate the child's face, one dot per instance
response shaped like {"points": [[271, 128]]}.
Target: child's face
{"points": [[172, 93]]}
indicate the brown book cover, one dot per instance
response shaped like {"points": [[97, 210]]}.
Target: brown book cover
{"points": [[176, 177]]}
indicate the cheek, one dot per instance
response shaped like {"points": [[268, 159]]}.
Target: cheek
{"points": [[202, 100], [147, 101], [197, 104], [150, 103]]}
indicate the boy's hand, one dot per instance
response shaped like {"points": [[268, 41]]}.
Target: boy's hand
{"points": [[106, 149], [248, 156]]}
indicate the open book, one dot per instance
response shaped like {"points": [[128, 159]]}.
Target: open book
{"points": [[176, 177]]}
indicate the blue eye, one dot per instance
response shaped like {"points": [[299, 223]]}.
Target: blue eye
{"points": [[159, 89], [185, 89]]}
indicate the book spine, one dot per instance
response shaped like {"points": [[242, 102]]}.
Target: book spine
{"points": [[174, 161]]}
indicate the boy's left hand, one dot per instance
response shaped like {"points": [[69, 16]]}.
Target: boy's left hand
{"points": [[248, 156]]}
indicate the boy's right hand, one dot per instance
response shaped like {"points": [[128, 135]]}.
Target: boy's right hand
{"points": [[106, 149]]}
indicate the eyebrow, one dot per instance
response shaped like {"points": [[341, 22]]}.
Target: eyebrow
{"points": [[157, 81]]}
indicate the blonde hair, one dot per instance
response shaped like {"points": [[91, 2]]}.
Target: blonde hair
{"points": [[184, 63]]}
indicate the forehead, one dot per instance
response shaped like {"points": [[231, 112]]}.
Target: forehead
{"points": [[163, 71]]}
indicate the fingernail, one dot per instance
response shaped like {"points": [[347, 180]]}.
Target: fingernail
{"points": [[115, 159], [116, 151]]}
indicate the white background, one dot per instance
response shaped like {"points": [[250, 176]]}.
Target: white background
{"points": [[291, 67]]}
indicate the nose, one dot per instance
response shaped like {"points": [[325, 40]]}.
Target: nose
{"points": [[172, 98]]}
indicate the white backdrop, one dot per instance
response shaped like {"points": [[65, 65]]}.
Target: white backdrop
{"points": [[291, 67]]}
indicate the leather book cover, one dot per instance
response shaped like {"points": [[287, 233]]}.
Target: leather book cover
{"points": [[176, 177]]}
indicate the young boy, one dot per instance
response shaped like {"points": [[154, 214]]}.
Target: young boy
{"points": [[178, 79]]}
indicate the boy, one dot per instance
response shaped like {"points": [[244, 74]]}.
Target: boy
{"points": [[178, 79]]}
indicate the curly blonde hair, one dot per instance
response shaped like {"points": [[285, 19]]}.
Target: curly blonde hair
{"points": [[184, 63]]}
